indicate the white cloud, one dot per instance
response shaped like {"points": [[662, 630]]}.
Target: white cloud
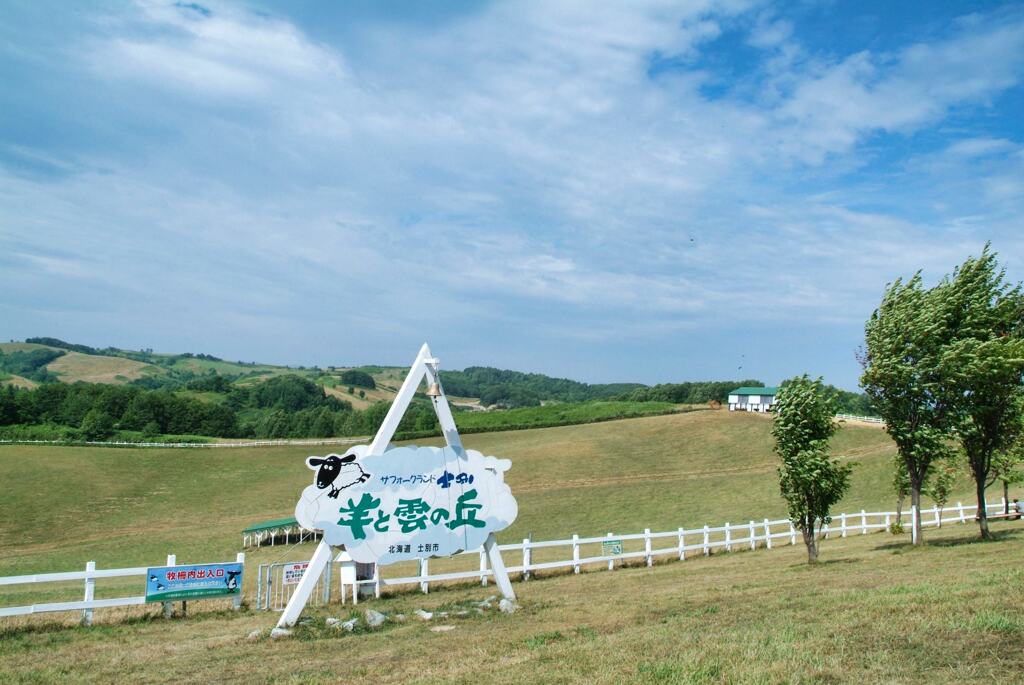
{"points": [[224, 53], [833, 109], [980, 147], [515, 160]]}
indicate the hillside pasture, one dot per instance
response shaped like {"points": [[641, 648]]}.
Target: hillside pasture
{"points": [[90, 368], [9, 347], [17, 381], [371, 395], [132, 506]]}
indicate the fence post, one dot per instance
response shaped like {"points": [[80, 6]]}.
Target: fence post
{"points": [[424, 575], [259, 588], [960, 508], [707, 548], [168, 607], [90, 590], [237, 601], [526, 558], [913, 523], [682, 544], [647, 546], [483, 567], [575, 553], [792, 533], [767, 535], [863, 522], [842, 524], [611, 560], [326, 592], [753, 536], [938, 516], [728, 538]]}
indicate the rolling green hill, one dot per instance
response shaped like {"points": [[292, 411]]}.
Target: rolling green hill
{"points": [[131, 505]]}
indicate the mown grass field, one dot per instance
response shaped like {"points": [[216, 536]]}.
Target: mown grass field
{"points": [[738, 618], [68, 505], [876, 611]]}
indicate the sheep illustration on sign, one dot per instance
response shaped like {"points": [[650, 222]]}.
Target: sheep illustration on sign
{"points": [[407, 503]]}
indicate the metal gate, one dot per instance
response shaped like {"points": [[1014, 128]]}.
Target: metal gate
{"points": [[275, 584]]}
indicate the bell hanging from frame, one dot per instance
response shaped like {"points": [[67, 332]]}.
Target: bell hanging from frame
{"points": [[434, 390]]}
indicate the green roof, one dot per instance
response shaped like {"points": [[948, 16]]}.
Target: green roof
{"points": [[271, 524], [767, 390]]}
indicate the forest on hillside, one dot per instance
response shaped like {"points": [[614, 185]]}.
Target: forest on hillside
{"points": [[230, 400]]}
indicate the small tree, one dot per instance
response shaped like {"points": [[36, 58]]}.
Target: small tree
{"points": [[810, 481], [901, 484], [1008, 467], [96, 425], [151, 429], [941, 483]]}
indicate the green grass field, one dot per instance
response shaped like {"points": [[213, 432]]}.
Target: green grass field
{"points": [[746, 617]]}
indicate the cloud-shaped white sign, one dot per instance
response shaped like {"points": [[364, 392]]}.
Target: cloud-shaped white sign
{"points": [[408, 503]]}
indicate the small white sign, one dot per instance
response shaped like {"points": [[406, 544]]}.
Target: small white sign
{"points": [[293, 573]]}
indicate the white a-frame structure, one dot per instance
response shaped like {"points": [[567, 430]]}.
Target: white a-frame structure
{"points": [[424, 366]]}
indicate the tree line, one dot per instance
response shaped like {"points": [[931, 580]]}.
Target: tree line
{"points": [[30, 364], [517, 389], [698, 392], [286, 406], [95, 411]]}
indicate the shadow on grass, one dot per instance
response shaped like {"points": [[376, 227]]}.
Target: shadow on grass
{"points": [[105, 626], [823, 563], [844, 560], [973, 538]]}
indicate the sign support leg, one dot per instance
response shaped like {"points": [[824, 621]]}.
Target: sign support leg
{"points": [[498, 566]]}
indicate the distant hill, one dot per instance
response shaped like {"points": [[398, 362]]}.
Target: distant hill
{"points": [[44, 359], [61, 388], [47, 359]]}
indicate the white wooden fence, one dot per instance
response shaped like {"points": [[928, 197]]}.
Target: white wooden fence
{"points": [[89, 603], [679, 544], [854, 417]]}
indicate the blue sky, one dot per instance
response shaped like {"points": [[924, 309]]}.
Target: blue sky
{"points": [[637, 191]]}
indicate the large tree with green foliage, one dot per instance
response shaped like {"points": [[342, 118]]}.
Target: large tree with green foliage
{"points": [[981, 366], [809, 479], [903, 342]]}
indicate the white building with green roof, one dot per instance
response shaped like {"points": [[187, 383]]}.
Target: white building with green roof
{"points": [[752, 399]]}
